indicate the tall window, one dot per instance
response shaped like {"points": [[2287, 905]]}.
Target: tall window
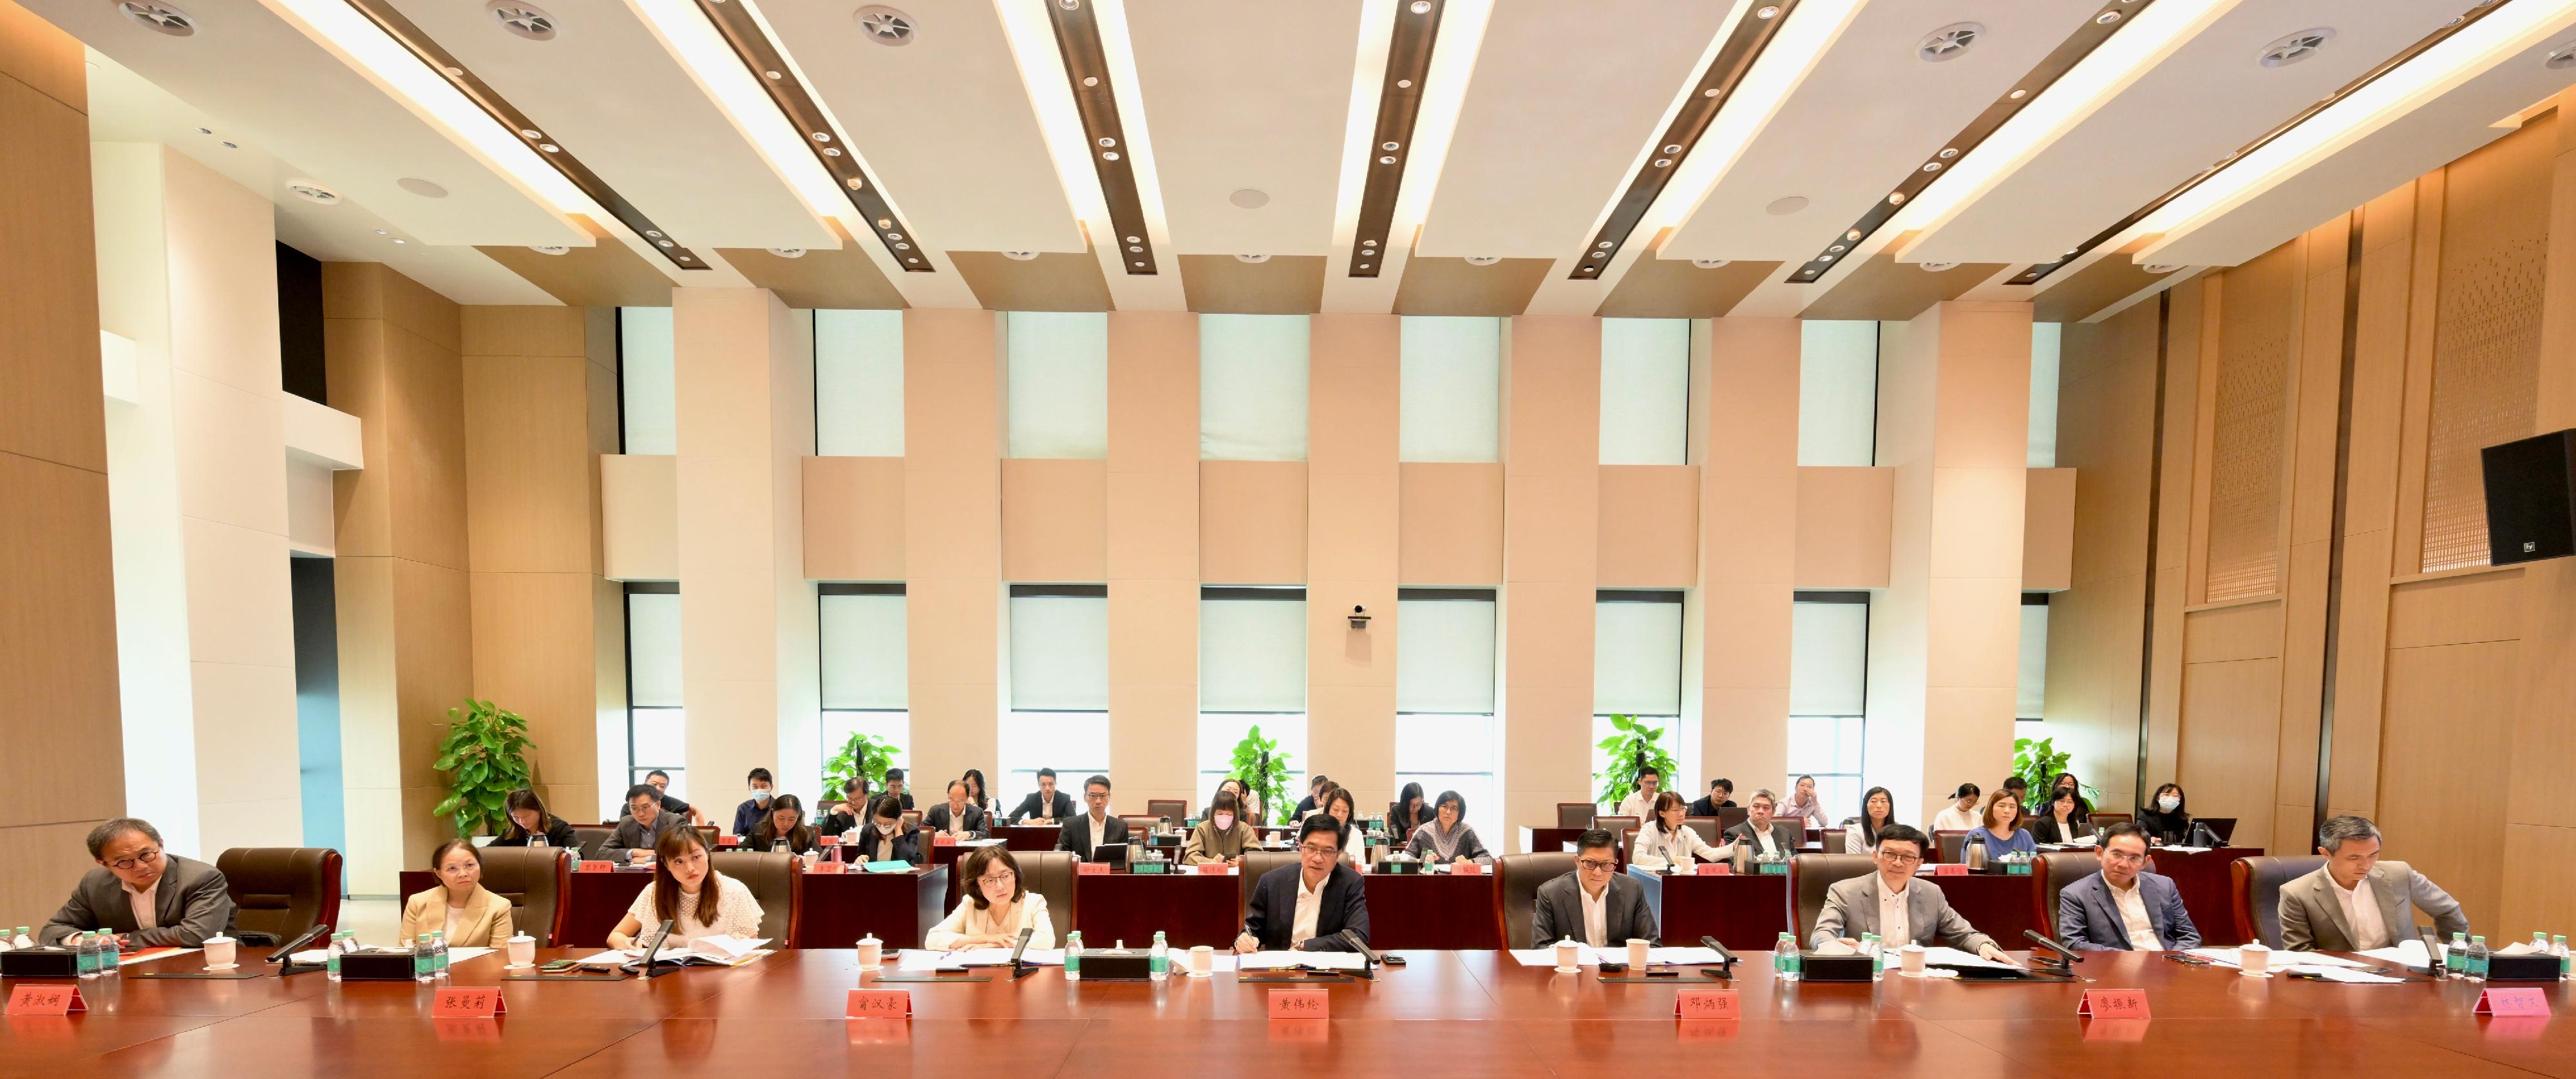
{"points": [[1252, 387], [1059, 384], [858, 383], [648, 396], [1450, 395], [2030, 689], [865, 690], [1837, 393], [2044, 341], [1445, 734], [1637, 670], [1645, 391], [1252, 672], [1828, 695], [1059, 670], [657, 728]]}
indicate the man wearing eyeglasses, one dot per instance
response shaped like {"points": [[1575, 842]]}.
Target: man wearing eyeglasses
{"points": [[146, 895], [1893, 903], [1305, 907], [1595, 904], [2124, 907]]}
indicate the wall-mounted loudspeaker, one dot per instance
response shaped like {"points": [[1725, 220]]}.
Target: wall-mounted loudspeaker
{"points": [[2531, 498]]}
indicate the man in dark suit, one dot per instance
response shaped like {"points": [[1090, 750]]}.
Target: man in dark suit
{"points": [[2124, 907], [1094, 827], [1721, 795], [660, 781], [957, 816], [186, 898], [1595, 904], [644, 824], [1315, 788], [1766, 836], [1305, 907], [853, 809], [894, 786], [1046, 805]]}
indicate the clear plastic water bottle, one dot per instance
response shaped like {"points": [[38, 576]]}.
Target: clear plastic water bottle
{"points": [[1877, 953], [2558, 947], [23, 940], [85, 955], [2477, 959], [331, 956], [438, 950], [4, 942], [1784, 958], [109, 955], [1160, 965], [2455, 964], [424, 966], [1073, 956]]}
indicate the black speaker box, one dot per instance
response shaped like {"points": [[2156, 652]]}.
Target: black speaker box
{"points": [[2531, 498]]}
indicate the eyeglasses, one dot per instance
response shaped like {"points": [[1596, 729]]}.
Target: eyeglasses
{"points": [[1317, 852], [1101, 796], [2123, 857], [1899, 859], [1597, 865], [997, 878], [141, 858]]}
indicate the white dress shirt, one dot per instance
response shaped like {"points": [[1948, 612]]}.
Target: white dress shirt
{"points": [[1596, 916], [1762, 842], [1099, 825], [2361, 912], [1680, 848], [1951, 818], [143, 902], [1636, 805], [957, 821], [2133, 913], [1310, 902], [1894, 928]]}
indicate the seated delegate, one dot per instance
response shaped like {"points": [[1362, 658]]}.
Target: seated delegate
{"points": [[1223, 836], [471, 915], [1877, 811], [783, 829], [1667, 839], [2000, 833], [1764, 834], [1093, 829], [660, 781], [1449, 838], [532, 826], [884, 838], [1045, 805], [1801, 805], [2164, 817], [1895, 904], [996, 906], [844, 819], [747, 815], [643, 826], [2355, 902], [2124, 907], [1306, 906], [688, 892], [2064, 821], [1961, 814], [958, 817], [1342, 806], [1640, 802], [145, 895], [1721, 795], [1595, 904], [1410, 811]]}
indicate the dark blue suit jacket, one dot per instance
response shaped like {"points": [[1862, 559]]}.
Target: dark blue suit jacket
{"points": [[2088, 919], [1273, 911]]}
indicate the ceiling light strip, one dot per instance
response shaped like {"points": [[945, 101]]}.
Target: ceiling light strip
{"points": [[2483, 8], [768, 65], [1095, 98], [1716, 86], [1390, 146], [2096, 30], [418, 43]]}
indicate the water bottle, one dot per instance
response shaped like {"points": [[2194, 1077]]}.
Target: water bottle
{"points": [[108, 954], [2477, 959], [4, 941], [424, 967], [331, 956], [85, 955], [1877, 954], [438, 949], [1073, 956], [2558, 947], [2455, 964], [23, 940], [1160, 965]]}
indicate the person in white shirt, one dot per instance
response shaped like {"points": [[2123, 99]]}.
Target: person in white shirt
{"points": [[1895, 904], [996, 907], [1877, 811], [1594, 905], [1640, 803], [688, 892], [1760, 832], [1306, 906], [1666, 840], [1802, 806], [2355, 902], [1961, 814], [2124, 907], [1342, 807]]}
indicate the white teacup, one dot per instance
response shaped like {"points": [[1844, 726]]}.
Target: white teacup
{"points": [[523, 952], [2254, 960], [1569, 957], [1202, 961], [871, 954], [220, 952], [1910, 960]]}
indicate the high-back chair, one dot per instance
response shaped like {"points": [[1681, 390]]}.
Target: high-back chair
{"points": [[2056, 870], [1575, 814], [772, 880], [1049, 873], [532, 879], [1811, 874], [1256, 864], [1518, 877], [281, 891], [2258, 884]]}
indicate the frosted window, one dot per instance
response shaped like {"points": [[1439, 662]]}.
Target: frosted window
{"points": [[1837, 393], [1828, 658], [1451, 389], [653, 649], [1645, 391], [647, 382], [1252, 654], [858, 383], [1637, 658], [1059, 384], [863, 651], [2044, 340], [1075, 744], [1454, 753], [1059, 653], [1444, 656], [2030, 694], [1252, 387]]}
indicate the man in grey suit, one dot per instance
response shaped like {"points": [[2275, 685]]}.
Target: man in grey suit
{"points": [[1896, 905], [1767, 836], [2124, 907], [1594, 905], [2356, 902], [644, 824], [148, 896]]}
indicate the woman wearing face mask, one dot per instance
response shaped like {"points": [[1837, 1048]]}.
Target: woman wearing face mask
{"points": [[783, 828], [1449, 838], [1223, 835], [689, 893], [1667, 840], [747, 815], [1961, 814], [1244, 802], [2164, 817], [1409, 812], [883, 838], [2063, 821], [995, 908]]}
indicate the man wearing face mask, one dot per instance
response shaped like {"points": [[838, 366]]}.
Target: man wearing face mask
{"points": [[747, 815], [1223, 836]]}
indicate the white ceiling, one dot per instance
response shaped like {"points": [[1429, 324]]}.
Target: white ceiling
{"points": [[1216, 131]]}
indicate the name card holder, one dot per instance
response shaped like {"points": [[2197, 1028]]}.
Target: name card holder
{"points": [[1707, 1004], [46, 1000], [2510, 1002], [1714, 869], [942, 839], [728, 842], [1300, 1004], [828, 868], [2113, 1004], [828, 840], [1214, 869], [590, 866], [1950, 869], [1466, 869], [1090, 869], [880, 1004], [468, 1002]]}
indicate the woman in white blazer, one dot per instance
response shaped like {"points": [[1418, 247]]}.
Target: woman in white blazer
{"points": [[471, 915], [997, 906], [1666, 840]]}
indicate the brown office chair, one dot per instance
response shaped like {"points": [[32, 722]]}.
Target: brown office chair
{"points": [[531, 878], [1049, 873], [911, 819], [1140, 825], [772, 880], [1835, 840], [1615, 825], [282, 891], [592, 839], [2106, 820], [2258, 884], [1950, 845], [1519, 876], [1575, 814], [1174, 808], [1707, 827], [1730, 816], [2056, 870], [1811, 874], [1256, 864]]}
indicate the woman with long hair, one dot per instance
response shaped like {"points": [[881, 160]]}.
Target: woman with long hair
{"points": [[531, 825], [1409, 812], [2164, 817], [975, 795], [783, 828], [689, 893], [1877, 811]]}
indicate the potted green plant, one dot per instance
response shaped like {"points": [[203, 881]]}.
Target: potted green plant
{"points": [[861, 756], [1263, 769], [2037, 763], [1632, 746], [485, 758]]}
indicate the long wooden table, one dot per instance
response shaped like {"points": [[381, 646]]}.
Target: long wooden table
{"points": [[1450, 1013]]}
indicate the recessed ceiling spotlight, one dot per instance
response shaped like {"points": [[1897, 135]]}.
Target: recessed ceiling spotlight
{"points": [[2018, 94], [1937, 267], [1948, 42], [665, 243], [231, 145], [1368, 243], [531, 133], [1069, 5], [1386, 160], [2295, 47], [1931, 166], [453, 71], [822, 136], [421, 187], [1019, 256], [549, 147], [2161, 267], [1249, 198], [1949, 152], [883, 25], [1786, 206], [400, 240], [524, 20], [2107, 18], [550, 249], [1853, 235], [774, 74], [158, 17], [313, 192], [2560, 58], [1404, 84], [1710, 264], [1421, 7], [1252, 258], [1896, 198], [831, 151], [788, 252], [653, 233], [382, 232], [1091, 80], [1767, 11], [1482, 260], [1134, 240]]}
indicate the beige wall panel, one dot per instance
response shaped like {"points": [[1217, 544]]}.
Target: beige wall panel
{"points": [[1351, 527], [1153, 525], [639, 501], [1552, 406], [1352, 395], [375, 290], [2095, 632], [2450, 720], [1976, 525], [951, 631], [434, 652], [66, 743], [2231, 720], [1543, 739], [2249, 419], [1843, 525], [1450, 523], [2487, 337], [2457, 610], [1350, 735], [1154, 634], [528, 331], [2536, 893], [2360, 676], [2048, 530], [1649, 526], [1153, 392], [2233, 632], [854, 518], [1979, 631], [951, 404], [952, 523], [2318, 383], [1153, 745], [527, 455], [1549, 529], [1336, 654], [428, 429], [47, 60], [1053, 523], [535, 655], [2303, 667], [361, 499], [1746, 640], [49, 293], [45, 858], [1252, 522]]}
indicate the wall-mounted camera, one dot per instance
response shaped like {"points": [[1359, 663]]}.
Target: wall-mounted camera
{"points": [[1359, 617]]}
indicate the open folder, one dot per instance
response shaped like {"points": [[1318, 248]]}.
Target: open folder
{"points": [[720, 950]]}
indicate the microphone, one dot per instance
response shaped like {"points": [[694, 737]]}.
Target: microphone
{"points": [[1725, 958], [279, 956], [1019, 970], [1368, 956], [2069, 954]]}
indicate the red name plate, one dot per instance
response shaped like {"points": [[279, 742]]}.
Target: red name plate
{"points": [[1950, 869], [828, 868], [880, 1004], [46, 1000], [1714, 869], [1217, 868], [1300, 1004], [1706, 1004], [595, 867], [943, 839], [468, 1002], [728, 841], [1466, 869], [829, 840], [2114, 1004], [1086, 869], [1697, 1031], [2511, 1002]]}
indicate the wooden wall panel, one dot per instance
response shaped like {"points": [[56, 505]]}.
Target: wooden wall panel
{"points": [[2448, 730], [1449, 528], [2486, 348], [2249, 424], [1844, 515], [2231, 723], [1053, 523], [1649, 526], [854, 518]]}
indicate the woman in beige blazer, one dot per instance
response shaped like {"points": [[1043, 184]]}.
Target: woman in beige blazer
{"points": [[471, 915]]}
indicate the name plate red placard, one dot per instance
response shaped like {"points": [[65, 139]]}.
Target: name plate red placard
{"points": [[1950, 869], [943, 839], [828, 840], [1300, 1004], [468, 1002], [2513, 1002], [1714, 869], [828, 868], [1706, 1004], [728, 841], [2114, 1004], [1086, 869], [1217, 868], [46, 1000], [595, 867], [880, 1004], [1466, 869]]}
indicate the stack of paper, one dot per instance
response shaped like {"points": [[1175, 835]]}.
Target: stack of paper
{"points": [[1942, 955], [1585, 956], [1295, 960], [2355, 977], [2227, 957]]}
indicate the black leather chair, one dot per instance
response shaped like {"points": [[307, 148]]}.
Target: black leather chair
{"points": [[772, 880], [1811, 874], [532, 879], [2258, 884], [1518, 877], [280, 892], [2057, 869]]}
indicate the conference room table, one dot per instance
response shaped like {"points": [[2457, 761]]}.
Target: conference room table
{"points": [[833, 910], [1466, 1013]]}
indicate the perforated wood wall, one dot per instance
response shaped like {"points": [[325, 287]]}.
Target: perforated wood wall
{"points": [[2259, 320], [2486, 342]]}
